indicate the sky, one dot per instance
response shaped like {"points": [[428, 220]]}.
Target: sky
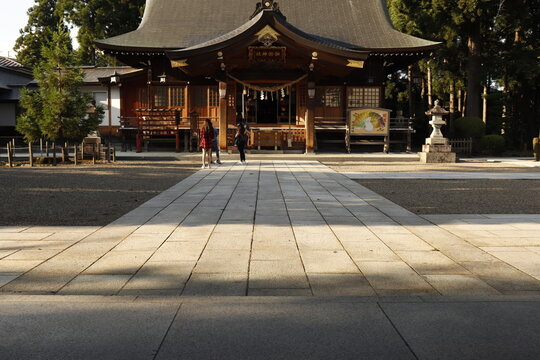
{"points": [[12, 18]]}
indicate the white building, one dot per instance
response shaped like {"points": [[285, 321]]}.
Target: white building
{"points": [[105, 86]]}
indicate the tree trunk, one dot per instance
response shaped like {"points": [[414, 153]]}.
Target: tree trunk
{"points": [[430, 86], [452, 105], [484, 104], [505, 103], [411, 101], [460, 101], [474, 67]]}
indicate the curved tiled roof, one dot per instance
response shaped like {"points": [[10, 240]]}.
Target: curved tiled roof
{"points": [[10, 63], [180, 24]]}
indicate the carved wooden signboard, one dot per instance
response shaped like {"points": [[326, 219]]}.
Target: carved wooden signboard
{"points": [[272, 54]]}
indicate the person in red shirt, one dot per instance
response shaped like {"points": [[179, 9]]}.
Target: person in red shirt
{"points": [[206, 137]]}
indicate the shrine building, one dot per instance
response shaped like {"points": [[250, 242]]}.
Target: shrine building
{"points": [[297, 72]]}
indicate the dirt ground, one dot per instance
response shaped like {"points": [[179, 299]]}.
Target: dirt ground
{"points": [[461, 196], [469, 166], [452, 196], [84, 195], [99, 194]]}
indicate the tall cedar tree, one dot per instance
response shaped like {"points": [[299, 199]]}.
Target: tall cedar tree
{"points": [[58, 111], [99, 19], [43, 19], [485, 42]]}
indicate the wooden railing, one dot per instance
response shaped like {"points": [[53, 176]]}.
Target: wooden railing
{"points": [[272, 138], [400, 132], [151, 125]]}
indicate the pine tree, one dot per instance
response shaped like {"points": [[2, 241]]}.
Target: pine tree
{"points": [[58, 110]]}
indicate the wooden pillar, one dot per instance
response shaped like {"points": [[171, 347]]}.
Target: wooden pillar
{"points": [[310, 127], [223, 121]]}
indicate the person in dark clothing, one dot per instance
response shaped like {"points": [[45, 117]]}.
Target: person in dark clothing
{"points": [[241, 141]]}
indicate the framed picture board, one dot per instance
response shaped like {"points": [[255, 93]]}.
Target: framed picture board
{"points": [[369, 121]]}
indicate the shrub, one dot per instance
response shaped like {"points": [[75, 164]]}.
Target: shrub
{"points": [[536, 149], [493, 144], [470, 127]]}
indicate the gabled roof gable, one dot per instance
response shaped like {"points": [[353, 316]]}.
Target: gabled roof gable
{"points": [[180, 24]]}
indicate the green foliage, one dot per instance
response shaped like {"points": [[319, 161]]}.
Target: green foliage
{"points": [[43, 20], [493, 144], [58, 110], [28, 122], [484, 42], [96, 19], [470, 127], [99, 19]]}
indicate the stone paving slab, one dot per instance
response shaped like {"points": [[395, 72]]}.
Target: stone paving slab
{"points": [[269, 327], [83, 329], [452, 331], [276, 228], [320, 331]]}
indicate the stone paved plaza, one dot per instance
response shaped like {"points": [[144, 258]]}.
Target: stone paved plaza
{"points": [[276, 228]]}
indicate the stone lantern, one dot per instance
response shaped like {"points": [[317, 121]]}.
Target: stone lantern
{"points": [[437, 148]]}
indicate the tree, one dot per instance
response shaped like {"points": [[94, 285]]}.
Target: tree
{"points": [[58, 110], [518, 72], [43, 20], [463, 27], [98, 19]]}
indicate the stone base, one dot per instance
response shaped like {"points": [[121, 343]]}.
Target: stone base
{"points": [[437, 157], [437, 141], [437, 148]]}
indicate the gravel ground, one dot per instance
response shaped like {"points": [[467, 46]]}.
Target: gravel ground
{"points": [[84, 195], [473, 166], [461, 196]]}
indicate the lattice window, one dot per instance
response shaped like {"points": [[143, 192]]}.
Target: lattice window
{"points": [[372, 97], [161, 97], [176, 97], [363, 97], [143, 98], [328, 97], [355, 97], [169, 97], [213, 97], [231, 100]]}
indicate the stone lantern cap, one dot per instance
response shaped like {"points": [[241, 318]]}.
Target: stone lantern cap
{"points": [[437, 110]]}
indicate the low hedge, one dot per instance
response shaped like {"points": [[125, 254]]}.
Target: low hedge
{"points": [[470, 127], [493, 144]]}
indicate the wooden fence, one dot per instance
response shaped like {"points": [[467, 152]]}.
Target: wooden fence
{"points": [[12, 154], [462, 146]]}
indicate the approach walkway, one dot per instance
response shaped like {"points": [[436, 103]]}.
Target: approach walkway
{"points": [[280, 228]]}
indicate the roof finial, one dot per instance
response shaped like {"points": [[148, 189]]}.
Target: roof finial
{"points": [[265, 5]]}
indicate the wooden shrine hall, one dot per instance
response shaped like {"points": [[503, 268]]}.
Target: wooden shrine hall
{"points": [[297, 72]]}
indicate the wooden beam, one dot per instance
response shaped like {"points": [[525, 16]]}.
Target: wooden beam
{"points": [[223, 123], [310, 127]]}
